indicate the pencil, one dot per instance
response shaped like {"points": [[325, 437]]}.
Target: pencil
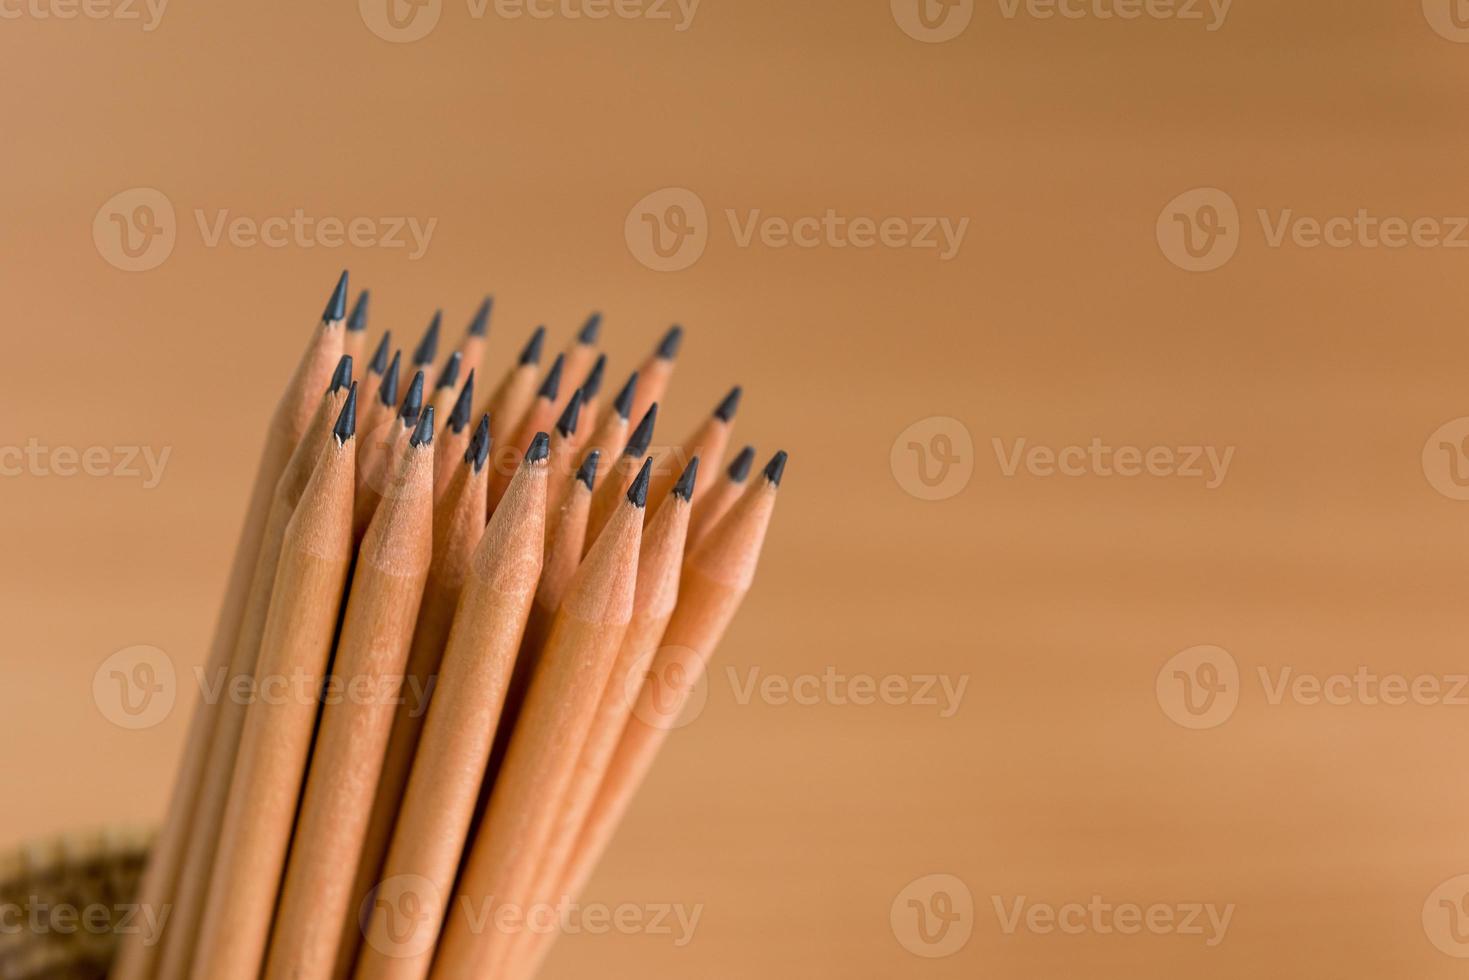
{"points": [[354, 343], [278, 726], [620, 475], [428, 347], [716, 503], [446, 385], [707, 442], [657, 371], [538, 418], [591, 389], [454, 440], [476, 336], [610, 434], [513, 396], [582, 351], [565, 449], [375, 477], [373, 377]]}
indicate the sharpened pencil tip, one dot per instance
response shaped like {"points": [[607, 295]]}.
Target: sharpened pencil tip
{"points": [[566, 424], [731, 404], [346, 426], [593, 383], [669, 345], [623, 404], [449, 377], [642, 436], [428, 347], [342, 376], [739, 470], [551, 387], [586, 474], [459, 417], [412, 402], [336, 306], [357, 322], [684, 488], [589, 330], [479, 444], [379, 362], [540, 448], [776, 468], [423, 432], [387, 392], [531, 353], [480, 325], [637, 494]]}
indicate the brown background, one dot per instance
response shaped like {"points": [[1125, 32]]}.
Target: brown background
{"points": [[1061, 598]]}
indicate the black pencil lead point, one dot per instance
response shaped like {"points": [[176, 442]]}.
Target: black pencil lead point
{"points": [[589, 330], [623, 404], [566, 425], [587, 472], [423, 433], [539, 449], [593, 383], [531, 353], [459, 417], [739, 470], [428, 347], [449, 377], [480, 325], [668, 346], [479, 444], [357, 321], [551, 387], [731, 404], [684, 488], [342, 376], [776, 468], [387, 392], [346, 426], [336, 306], [637, 494], [412, 402], [379, 362], [642, 436]]}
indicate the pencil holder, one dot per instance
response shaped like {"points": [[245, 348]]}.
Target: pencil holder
{"points": [[64, 902]]}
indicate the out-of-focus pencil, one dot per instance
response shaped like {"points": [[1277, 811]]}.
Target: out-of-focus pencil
{"points": [[620, 474], [716, 503], [656, 372]]}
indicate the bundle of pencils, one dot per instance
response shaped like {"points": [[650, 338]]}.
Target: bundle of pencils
{"points": [[549, 590]]}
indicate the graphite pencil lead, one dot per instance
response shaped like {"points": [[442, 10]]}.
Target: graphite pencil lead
{"points": [[637, 494], [480, 325], [379, 362], [566, 424], [776, 468], [336, 306], [423, 433], [540, 448], [450, 375], [668, 346], [731, 404], [642, 436], [428, 347], [684, 488], [531, 353], [387, 392], [357, 322], [589, 330], [739, 470], [479, 444], [459, 417], [593, 384], [412, 402], [346, 426], [551, 387], [623, 403], [342, 376], [587, 472]]}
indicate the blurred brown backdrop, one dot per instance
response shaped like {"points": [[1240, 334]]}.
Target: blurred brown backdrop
{"points": [[1326, 829]]}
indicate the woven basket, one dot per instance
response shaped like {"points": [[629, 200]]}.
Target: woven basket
{"points": [[83, 873]]}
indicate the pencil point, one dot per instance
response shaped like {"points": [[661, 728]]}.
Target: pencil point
{"points": [[450, 375], [342, 376], [587, 472], [480, 325], [459, 417], [357, 322], [566, 425], [642, 436], [590, 330], [684, 488], [531, 354], [423, 433], [479, 444], [776, 468], [540, 448], [551, 387], [668, 346], [731, 404], [336, 306], [387, 392], [412, 402], [739, 470], [623, 404], [637, 494], [346, 426], [593, 383], [428, 347], [379, 362]]}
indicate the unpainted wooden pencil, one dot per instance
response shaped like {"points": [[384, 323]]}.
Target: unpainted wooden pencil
{"points": [[716, 503], [566, 440], [476, 336], [510, 399], [453, 442], [428, 348], [581, 352], [591, 393], [372, 379], [707, 442], [610, 433], [354, 343], [538, 418], [376, 478], [446, 385], [620, 474], [655, 373]]}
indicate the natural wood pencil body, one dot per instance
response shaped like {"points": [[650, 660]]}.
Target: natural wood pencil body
{"points": [[708, 442], [448, 767], [166, 863], [538, 418], [711, 509], [607, 498], [387, 587], [558, 710], [277, 735], [508, 403], [654, 375]]}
